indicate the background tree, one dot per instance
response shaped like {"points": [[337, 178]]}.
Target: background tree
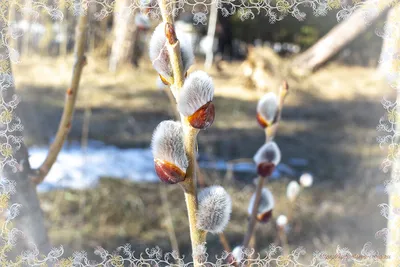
{"points": [[124, 29], [336, 39], [31, 219]]}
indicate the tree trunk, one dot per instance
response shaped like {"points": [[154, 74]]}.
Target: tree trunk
{"points": [[123, 31], [31, 219], [335, 40], [388, 62], [26, 38], [389, 48], [64, 29], [212, 24]]}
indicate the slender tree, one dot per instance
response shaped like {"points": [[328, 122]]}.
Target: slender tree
{"points": [[124, 33], [337, 38], [389, 63], [31, 219]]}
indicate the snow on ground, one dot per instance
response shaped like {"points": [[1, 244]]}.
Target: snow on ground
{"points": [[78, 169]]}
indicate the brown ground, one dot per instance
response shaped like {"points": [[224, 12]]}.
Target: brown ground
{"points": [[330, 119]]}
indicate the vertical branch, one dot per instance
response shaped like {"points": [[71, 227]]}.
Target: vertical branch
{"points": [[271, 131], [70, 99], [64, 29], [28, 19], [393, 247], [212, 23], [169, 222], [253, 216], [31, 219], [197, 236]]}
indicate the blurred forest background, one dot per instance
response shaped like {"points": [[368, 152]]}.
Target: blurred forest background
{"points": [[102, 191]]}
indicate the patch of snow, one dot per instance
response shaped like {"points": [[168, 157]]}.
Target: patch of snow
{"points": [[79, 169]]}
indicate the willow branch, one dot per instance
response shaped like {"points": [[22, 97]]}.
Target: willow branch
{"points": [[271, 131], [197, 236], [253, 215], [189, 185], [169, 221], [69, 104]]}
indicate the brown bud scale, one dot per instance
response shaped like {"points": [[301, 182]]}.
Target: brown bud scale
{"points": [[203, 117], [263, 123], [264, 217], [164, 81], [69, 91], [265, 169], [168, 172], [170, 33]]}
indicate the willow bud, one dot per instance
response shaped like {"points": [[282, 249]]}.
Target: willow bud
{"points": [[159, 56], [267, 158], [214, 209], [281, 221], [169, 153], [265, 207], [195, 100], [306, 180], [292, 191], [267, 110], [237, 254]]}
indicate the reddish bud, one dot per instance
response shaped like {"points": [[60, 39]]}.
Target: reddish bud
{"points": [[203, 117], [69, 91], [170, 33], [263, 123], [265, 169], [168, 172], [264, 217], [164, 80]]}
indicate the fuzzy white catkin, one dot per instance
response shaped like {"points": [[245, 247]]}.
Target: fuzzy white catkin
{"points": [[292, 190], [306, 180], [267, 202], [269, 152], [167, 144], [159, 54], [237, 253], [214, 211], [282, 220], [197, 91], [268, 106]]}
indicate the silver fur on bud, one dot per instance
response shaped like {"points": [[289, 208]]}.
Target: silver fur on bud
{"points": [[269, 152], [293, 190], [215, 207], [197, 91], [268, 107], [267, 202], [158, 51], [238, 254], [167, 144]]}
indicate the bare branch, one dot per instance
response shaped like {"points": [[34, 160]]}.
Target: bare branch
{"points": [[69, 104]]}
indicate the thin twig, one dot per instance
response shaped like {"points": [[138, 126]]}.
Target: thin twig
{"points": [[283, 240], [270, 131], [170, 223], [85, 129], [253, 216], [70, 99], [197, 236], [225, 243]]}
